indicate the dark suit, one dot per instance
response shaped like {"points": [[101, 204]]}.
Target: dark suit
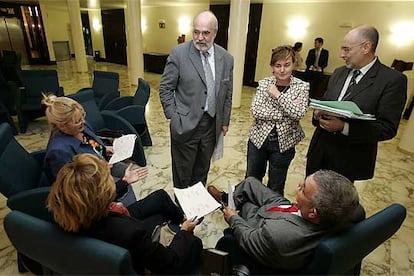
{"points": [[323, 58], [183, 93], [382, 91]]}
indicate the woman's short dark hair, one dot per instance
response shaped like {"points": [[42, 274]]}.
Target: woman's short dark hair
{"points": [[282, 52], [297, 46]]}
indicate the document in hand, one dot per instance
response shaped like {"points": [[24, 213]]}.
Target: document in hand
{"points": [[196, 201], [345, 109], [123, 148]]}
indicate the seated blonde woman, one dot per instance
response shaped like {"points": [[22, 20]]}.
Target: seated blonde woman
{"points": [[82, 201], [71, 135]]}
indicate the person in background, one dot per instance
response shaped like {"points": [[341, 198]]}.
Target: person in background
{"points": [[82, 201], [298, 57], [196, 95], [280, 102], [71, 135], [349, 147], [316, 61], [268, 230], [317, 58]]}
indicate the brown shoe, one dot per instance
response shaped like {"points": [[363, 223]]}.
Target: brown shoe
{"points": [[215, 193]]}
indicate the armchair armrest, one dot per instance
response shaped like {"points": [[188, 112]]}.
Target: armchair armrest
{"points": [[116, 122], [107, 98], [119, 103], [32, 202], [135, 114]]}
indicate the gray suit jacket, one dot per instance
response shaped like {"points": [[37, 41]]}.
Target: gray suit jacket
{"points": [[183, 89], [277, 240], [382, 92]]}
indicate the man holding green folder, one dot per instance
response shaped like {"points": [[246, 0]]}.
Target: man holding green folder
{"points": [[349, 145]]}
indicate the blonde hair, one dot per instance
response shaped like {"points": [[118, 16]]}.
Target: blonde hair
{"points": [[81, 193], [60, 110]]}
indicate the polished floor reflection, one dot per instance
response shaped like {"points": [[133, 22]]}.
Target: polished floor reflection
{"points": [[393, 181]]}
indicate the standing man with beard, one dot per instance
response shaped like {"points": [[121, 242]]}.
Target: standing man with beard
{"points": [[349, 147], [196, 94]]}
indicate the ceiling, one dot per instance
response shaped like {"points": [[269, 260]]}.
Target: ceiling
{"points": [[119, 4]]}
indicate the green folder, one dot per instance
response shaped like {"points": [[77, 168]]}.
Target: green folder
{"points": [[343, 105]]}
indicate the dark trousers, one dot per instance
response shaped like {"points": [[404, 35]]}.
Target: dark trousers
{"points": [[278, 163], [155, 209], [191, 159]]}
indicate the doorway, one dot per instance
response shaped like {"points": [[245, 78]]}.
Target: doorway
{"points": [[222, 13], [113, 27]]}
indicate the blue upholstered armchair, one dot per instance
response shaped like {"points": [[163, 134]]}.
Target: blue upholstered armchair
{"points": [[340, 253], [20, 171], [35, 82], [132, 109], [105, 87], [106, 120], [62, 252]]}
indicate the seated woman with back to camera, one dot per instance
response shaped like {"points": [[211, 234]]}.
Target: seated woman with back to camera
{"points": [[82, 201], [70, 135]]}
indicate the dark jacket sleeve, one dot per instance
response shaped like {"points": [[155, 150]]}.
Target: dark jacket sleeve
{"points": [[121, 188]]}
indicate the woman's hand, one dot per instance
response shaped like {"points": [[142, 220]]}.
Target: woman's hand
{"points": [[132, 176], [273, 91], [109, 150], [189, 224]]}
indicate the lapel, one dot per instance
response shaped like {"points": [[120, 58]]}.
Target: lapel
{"points": [[335, 90], [195, 59], [219, 67], [366, 81]]}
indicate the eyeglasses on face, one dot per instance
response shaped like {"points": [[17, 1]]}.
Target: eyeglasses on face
{"points": [[197, 33], [349, 49]]}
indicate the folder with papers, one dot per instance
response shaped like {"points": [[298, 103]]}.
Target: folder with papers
{"points": [[346, 109]]}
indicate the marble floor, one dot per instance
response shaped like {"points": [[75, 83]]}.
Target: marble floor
{"points": [[393, 181]]}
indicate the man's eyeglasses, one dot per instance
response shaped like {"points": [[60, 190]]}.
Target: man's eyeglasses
{"points": [[348, 49], [203, 33]]}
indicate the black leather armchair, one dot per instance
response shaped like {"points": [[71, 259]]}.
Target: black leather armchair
{"points": [[105, 87], [28, 103], [340, 253], [60, 252], [20, 171], [132, 109]]}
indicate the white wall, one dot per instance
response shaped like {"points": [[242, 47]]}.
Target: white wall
{"points": [[324, 19]]}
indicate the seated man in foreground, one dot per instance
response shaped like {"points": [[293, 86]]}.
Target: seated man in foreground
{"points": [[281, 235]]}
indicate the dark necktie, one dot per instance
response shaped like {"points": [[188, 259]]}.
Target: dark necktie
{"points": [[352, 84], [211, 95]]}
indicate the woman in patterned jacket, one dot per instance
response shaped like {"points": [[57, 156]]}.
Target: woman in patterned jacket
{"points": [[280, 102]]}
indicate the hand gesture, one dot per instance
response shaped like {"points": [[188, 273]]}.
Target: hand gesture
{"points": [[133, 175]]}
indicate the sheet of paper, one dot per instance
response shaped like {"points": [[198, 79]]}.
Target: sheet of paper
{"points": [[196, 201], [123, 148], [219, 149], [230, 192]]}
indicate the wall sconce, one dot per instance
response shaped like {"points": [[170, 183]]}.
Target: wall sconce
{"points": [[143, 25], [184, 25], [161, 24], [96, 25], [297, 28], [402, 34]]}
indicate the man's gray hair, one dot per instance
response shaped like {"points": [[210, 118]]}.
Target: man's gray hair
{"points": [[336, 198]]}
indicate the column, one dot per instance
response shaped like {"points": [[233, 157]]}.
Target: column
{"points": [[406, 142], [238, 26], [46, 22], [77, 36], [134, 41], [95, 22]]}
